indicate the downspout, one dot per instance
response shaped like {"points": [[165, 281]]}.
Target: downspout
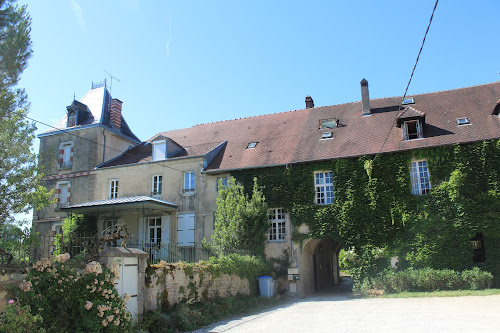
{"points": [[104, 145]]}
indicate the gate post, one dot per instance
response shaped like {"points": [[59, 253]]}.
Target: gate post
{"points": [[133, 263]]}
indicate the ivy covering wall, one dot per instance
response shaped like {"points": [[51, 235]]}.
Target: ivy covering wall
{"points": [[374, 206]]}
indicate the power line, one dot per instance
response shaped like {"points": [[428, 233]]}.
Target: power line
{"points": [[409, 81], [112, 148]]}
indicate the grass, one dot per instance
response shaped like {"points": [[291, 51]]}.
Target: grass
{"points": [[442, 293]]}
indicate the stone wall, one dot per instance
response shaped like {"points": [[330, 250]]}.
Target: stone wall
{"points": [[9, 279], [168, 284]]}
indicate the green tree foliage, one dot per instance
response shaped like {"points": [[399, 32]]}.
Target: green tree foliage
{"points": [[240, 220], [19, 176]]}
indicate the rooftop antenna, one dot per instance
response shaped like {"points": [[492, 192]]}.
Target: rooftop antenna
{"points": [[112, 77]]}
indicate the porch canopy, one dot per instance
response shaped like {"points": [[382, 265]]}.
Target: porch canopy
{"points": [[120, 204]]}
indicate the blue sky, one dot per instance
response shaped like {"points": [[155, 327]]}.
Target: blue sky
{"points": [[182, 63]]}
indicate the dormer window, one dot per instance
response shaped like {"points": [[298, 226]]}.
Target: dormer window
{"points": [[159, 150], [412, 129], [328, 123], [412, 123], [71, 119], [252, 145]]}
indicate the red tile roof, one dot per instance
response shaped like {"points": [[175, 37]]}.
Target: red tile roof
{"points": [[295, 136]]}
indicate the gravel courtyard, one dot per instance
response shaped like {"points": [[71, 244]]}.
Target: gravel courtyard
{"points": [[340, 313]]}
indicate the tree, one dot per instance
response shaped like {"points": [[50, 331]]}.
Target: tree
{"points": [[20, 188], [240, 220]]}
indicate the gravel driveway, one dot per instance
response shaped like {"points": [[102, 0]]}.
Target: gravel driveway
{"points": [[340, 313]]}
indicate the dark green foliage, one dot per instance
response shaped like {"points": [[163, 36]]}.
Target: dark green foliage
{"points": [[374, 207], [240, 220], [191, 315], [19, 181], [428, 279]]}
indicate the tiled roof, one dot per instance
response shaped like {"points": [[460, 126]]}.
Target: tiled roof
{"points": [[295, 136], [97, 102], [142, 153]]}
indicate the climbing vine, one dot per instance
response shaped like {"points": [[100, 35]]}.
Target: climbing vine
{"points": [[374, 206]]}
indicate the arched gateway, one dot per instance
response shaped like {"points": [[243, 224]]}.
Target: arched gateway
{"points": [[319, 265]]}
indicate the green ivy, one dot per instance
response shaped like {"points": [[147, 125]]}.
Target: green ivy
{"points": [[374, 205]]}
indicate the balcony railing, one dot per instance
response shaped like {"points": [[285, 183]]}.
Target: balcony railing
{"points": [[172, 253]]}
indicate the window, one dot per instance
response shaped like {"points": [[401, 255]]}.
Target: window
{"points": [[157, 184], [408, 100], [420, 179], [65, 158], [252, 145], [478, 247], [327, 135], [159, 150], [113, 189], [189, 181], [154, 230], [277, 221], [412, 129], [63, 193], [328, 123], [323, 182], [463, 121], [71, 119], [218, 184]]}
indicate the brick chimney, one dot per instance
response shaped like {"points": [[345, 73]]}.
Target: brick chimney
{"points": [[365, 98], [309, 102], [115, 114]]}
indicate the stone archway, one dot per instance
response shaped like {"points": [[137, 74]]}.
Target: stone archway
{"points": [[319, 265]]}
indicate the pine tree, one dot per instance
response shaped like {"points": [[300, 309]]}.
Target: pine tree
{"points": [[19, 176]]}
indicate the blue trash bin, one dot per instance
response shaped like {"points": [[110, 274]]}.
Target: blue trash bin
{"points": [[266, 286]]}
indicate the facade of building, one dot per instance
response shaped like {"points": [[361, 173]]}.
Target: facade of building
{"points": [[164, 189]]}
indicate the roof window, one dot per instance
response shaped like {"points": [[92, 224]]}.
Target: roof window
{"points": [[252, 145], [327, 135], [328, 123], [463, 121], [408, 100]]}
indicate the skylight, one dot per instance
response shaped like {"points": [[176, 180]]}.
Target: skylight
{"points": [[408, 100], [327, 135], [328, 123], [463, 121], [252, 145]]}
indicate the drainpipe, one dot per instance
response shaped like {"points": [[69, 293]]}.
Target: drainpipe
{"points": [[104, 145]]}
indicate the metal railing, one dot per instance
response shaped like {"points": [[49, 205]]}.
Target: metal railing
{"points": [[172, 253]]}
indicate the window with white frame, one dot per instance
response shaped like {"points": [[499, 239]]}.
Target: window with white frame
{"points": [[154, 230], [157, 185], [63, 193], [323, 182], [420, 178], [412, 129], [113, 189], [159, 150], [65, 158], [277, 220], [189, 181], [71, 119]]}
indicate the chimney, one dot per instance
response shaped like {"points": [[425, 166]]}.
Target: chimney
{"points": [[365, 98], [115, 114], [309, 102]]}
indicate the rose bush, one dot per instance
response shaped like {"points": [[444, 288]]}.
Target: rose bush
{"points": [[72, 301]]}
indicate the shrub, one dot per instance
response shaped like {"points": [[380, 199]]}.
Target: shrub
{"points": [[427, 279], [17, 319], [72, 301]]}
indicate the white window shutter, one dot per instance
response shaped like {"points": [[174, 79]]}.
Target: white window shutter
{"points": [[185, 230], [405, 131], [141, 239], [419, 130], [165, 229]]}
